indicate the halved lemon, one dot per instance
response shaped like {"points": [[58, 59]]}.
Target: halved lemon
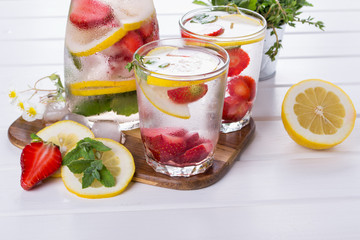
{"points": [[317, 114], [65, 134], [118, 161], [92, 88]]}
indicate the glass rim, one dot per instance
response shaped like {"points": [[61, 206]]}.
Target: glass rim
{"points": [[178, 77], [219, 38]]}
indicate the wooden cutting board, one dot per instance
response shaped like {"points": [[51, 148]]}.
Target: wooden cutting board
{"points": [[229, 146]]}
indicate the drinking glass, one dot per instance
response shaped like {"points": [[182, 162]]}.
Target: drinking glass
{"points": [[101, 38], [180, 89], [241, 32]]}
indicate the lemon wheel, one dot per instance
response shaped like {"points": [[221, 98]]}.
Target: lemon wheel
{"points": [[65, 134], [118, 161], [317, 114]]}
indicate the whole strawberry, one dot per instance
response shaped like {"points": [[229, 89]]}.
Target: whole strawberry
{"points": [[38, 161]]}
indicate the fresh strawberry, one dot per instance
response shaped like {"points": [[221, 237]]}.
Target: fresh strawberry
{"points": [[148, 28], [165, 147], [188, 94], [164, 143], [238, 88], [239, 60], [211, 29], [234, 108], [130, 43], [252, 86], [38, 161], [192, 139], [195, 154], [87, 14]]}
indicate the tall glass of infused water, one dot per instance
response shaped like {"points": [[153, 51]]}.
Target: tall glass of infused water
{"points": [[180, 89], [101, 38], [241, 32]]}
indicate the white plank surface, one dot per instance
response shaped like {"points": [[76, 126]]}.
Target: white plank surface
{"points": [[277, 190]]}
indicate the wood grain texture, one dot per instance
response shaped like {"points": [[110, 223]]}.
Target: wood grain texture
{"points": [[228, 148]]}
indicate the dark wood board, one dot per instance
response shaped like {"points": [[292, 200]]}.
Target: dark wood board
{"points": [[229, 146]]}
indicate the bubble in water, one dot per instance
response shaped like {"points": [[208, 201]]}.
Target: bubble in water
{"points": [[107, 129], [77, 118]]}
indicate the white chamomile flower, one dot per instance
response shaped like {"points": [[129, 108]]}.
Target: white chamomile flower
{"points": [[13, 95], [33, 112]]}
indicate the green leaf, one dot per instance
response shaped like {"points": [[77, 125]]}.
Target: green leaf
{"points": [[73, 155], [94, 144], [79, 166], [97, 164], [164, 65], [107, 179], [77, 62], [203, 18], [96, 174], [87, 179], [35, 138], [200, 3]]}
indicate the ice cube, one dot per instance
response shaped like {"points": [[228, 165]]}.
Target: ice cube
{"points": [[77, 118], [55, 111], [107, 129]]}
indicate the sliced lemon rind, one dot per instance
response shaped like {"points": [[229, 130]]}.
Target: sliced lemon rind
{"points": [[73, 185], [304, 136], [93, 88]]}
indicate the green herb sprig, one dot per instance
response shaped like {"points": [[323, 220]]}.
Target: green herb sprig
{"points": [[276, 12], [86, 158]]}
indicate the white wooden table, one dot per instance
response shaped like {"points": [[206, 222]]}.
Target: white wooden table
{"points": [[278, 190]]}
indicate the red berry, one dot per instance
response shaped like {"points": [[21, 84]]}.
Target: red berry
{"points": [[129, 44], [188, 94], [239, 60], [90, 13], [148, 28], [251, 84], [211, 29], [238, 88], [38, 161], [164, 145], [195, 154], [234, 108]]}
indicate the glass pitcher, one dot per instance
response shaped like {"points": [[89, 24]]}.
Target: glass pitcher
{"points": [[101, 38]]}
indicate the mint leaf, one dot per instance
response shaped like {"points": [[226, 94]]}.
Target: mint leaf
{"points": [[200, 3], [203, 18], [164, 65], [87, 179], [96, 174], [35, 138], [79, 166], [107, 179], [97, 164], [74, 154], [92, 143]]}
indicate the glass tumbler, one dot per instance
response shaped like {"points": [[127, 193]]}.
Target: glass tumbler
{"points": [[241, 32], [101, 38], [180, 89]]}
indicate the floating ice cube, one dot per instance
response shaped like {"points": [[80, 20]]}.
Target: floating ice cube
{"points": [[77, 118]]}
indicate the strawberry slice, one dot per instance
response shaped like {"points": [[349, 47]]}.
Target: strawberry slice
{"points": [[251, 84], [164, 143], [38, 161], [234, 108], [238, 87], [130, 43], [188, 94], [148, 28], [195, 154], [211, 30], [87, 14], [239, 60]]}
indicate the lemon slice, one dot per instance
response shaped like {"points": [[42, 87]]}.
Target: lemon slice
{"points": [[92, 88], [317, 114], [158, 97], [118, 161], [65, 134]]}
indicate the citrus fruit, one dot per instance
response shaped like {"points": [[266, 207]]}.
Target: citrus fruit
{"points": [[317, 114], [158, 96], [65, 134], [96, 87], [118, 161]]}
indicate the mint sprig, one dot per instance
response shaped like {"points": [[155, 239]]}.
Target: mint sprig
{"points": [[132, 65], [86, 158]]}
